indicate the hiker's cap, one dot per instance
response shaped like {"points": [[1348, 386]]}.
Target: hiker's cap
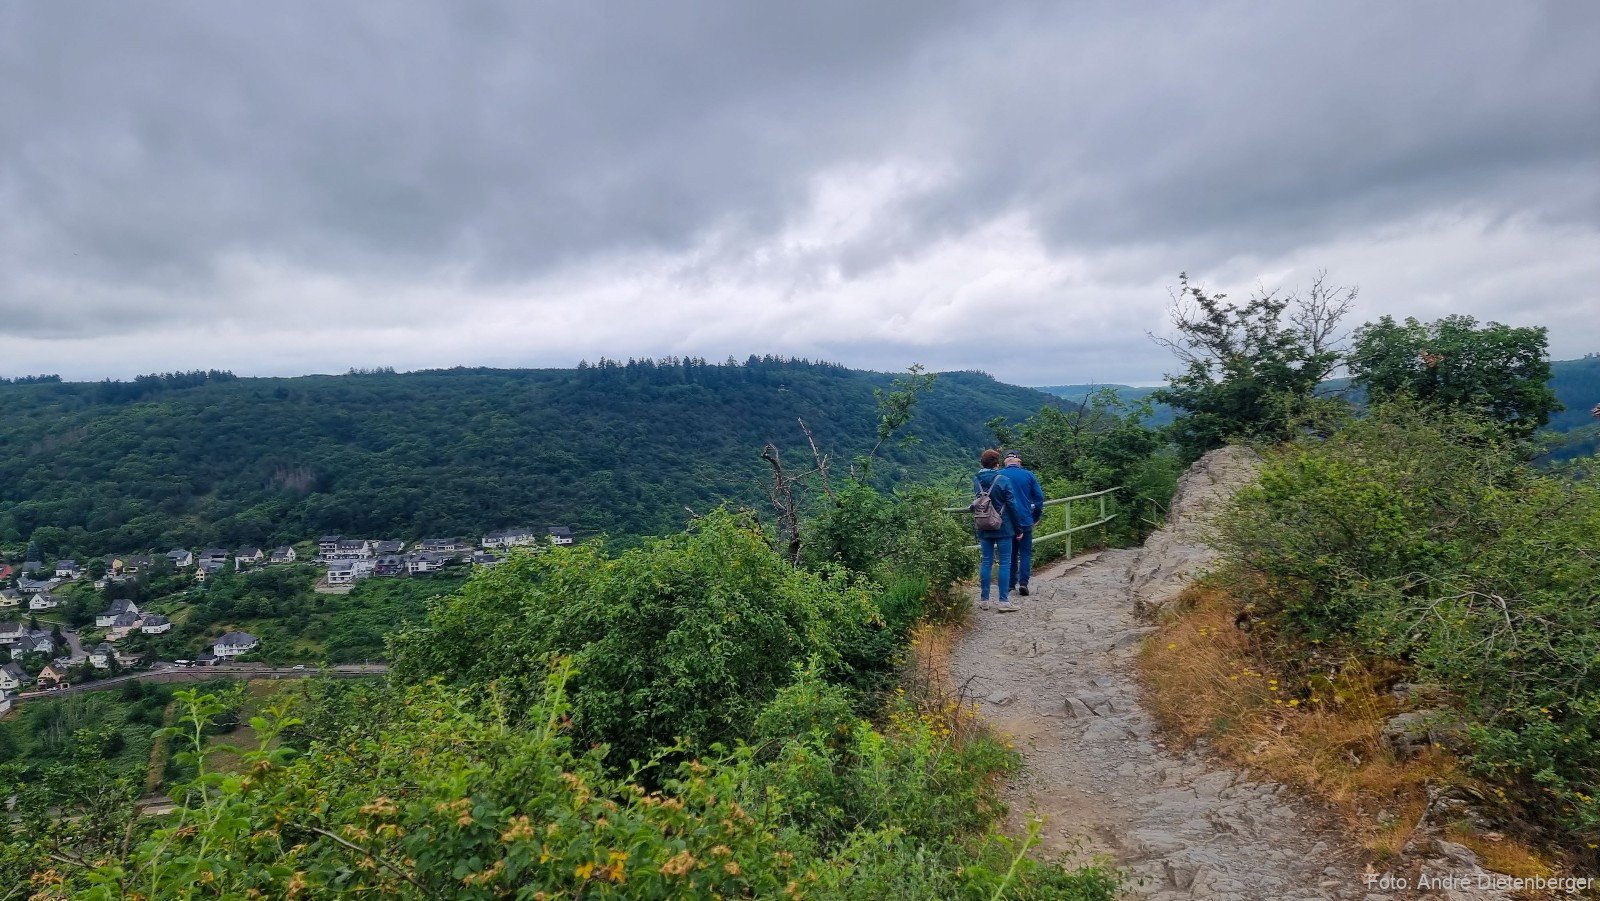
{"points": [[1013, 455]]}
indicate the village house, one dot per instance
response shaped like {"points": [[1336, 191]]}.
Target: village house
{"points": [[439, 545], [344, 572], [247, 556], [6, 571], [350, 549], [426, 562], [327, 544], [13, 676], [120, 566], [283, 554], [126, 657], [10, 599], [32, 566], [180, 558], [29, 585], [389, 565], [102, 655], [118, 607], [560, 536], [12, 632], [122, 626], [133, 564], [37, 641], [509, 538], [44, 600], [154, 624], [233, 644], [5, 702], [388, 548], [210, 568], [68, 569], [486, 559], [54, 675], [213, 553]]}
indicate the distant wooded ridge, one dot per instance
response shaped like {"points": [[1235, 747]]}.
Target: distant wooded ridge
{"points": [[202, 458]]}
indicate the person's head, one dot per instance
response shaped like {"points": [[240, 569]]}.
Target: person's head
{"points": [[1013, 458], [990, 458]]}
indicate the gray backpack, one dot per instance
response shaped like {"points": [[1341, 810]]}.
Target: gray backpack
{"points": [[986, 517]]}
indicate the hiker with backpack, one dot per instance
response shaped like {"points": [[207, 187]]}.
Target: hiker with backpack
{"points": [[1026, 484], [998, 513]]}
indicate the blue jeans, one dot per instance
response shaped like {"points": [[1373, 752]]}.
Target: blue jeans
{"points": [[1022, 558], [990, 548]]}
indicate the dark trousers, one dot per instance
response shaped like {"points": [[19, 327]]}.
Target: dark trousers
{"points": [[1021, 557]]}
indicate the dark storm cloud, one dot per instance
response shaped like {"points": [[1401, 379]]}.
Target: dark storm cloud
{"points": [[283, 187]]}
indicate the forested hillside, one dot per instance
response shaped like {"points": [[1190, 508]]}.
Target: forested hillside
{"points": [[622, 448]]}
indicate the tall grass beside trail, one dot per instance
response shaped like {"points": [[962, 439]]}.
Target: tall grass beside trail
{"points": [[1415, 545]]}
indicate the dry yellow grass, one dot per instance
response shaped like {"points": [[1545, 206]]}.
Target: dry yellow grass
{"points": [[1500, 854], [925, 680], [1205, 678]]}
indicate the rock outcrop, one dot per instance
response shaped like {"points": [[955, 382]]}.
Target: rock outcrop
{"points": [[1174, 554]]}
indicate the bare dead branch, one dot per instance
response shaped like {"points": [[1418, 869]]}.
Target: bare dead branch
{"points": [[822, 462], [386, 864]]}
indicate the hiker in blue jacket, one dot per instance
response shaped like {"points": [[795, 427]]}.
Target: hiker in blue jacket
{"points": [[997, 543], [1025, 484]]}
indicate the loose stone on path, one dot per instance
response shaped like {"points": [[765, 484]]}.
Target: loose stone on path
{"points": [[1058, 677]]}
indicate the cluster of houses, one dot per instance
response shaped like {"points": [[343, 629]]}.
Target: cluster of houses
{"points": [[22, 640], [349, 559], [123, 618], [346, 559], [57, 673]]}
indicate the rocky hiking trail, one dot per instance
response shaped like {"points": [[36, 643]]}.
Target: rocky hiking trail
{"points": [[1058, 678]]}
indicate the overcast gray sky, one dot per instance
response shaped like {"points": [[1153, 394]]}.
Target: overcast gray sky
{"points": [[281, 188]]}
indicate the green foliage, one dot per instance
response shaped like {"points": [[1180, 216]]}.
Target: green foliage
{"points": [[897, 406], [1501, 371], [906, 541], [1102, 442], [685, 637], [81, 804], [1250, 370], [834, 772], [1405, 490], [436, 796], [295, 623], [117, 725], [1417, 535], [425, 454]]}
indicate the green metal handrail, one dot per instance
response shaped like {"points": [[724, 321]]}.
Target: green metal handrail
{"points": [[1068, 528]]}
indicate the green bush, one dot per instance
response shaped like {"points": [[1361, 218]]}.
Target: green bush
{"points": [[686, 637], [457, 798], [1416, 535], [894, 539]]}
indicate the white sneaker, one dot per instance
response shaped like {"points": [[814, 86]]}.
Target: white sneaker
{"points": [[1006, 607], [984, 605]]}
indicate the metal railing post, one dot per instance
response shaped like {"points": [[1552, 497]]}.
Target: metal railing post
{"points": [[1103, 520], [1068, 508]]}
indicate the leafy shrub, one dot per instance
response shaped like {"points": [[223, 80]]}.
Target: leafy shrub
{"points": [[1416, 535], [840, 774], [906, 537], [1407, 491], [455, 798], [684, 638]]}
